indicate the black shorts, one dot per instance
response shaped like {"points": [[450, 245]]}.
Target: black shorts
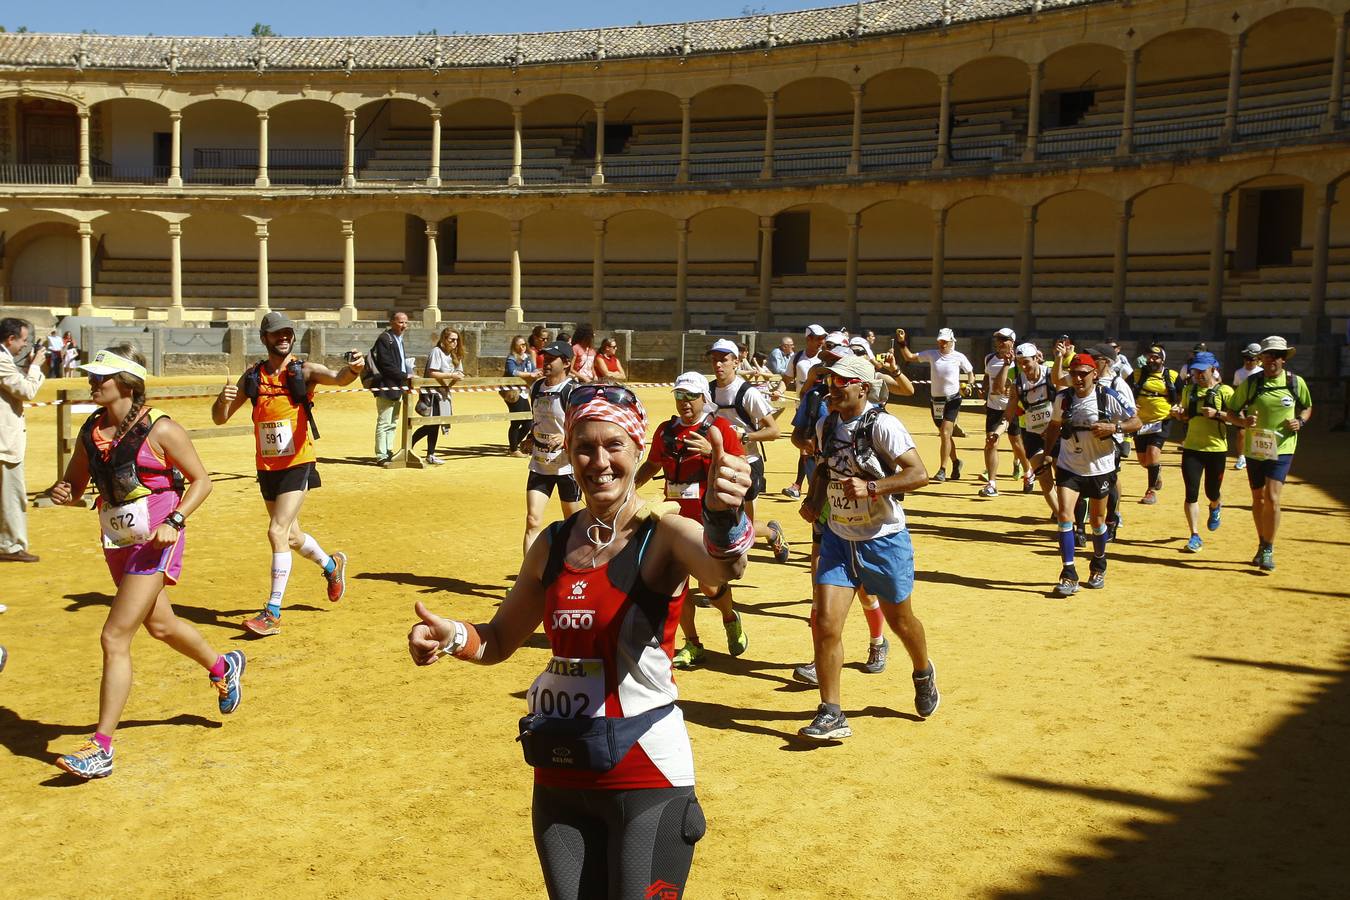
{"points": [[1089, 486], [1153, 439], [568, 489], [949, 411], [993, 416], [303, 477], [1033, 443], [757, 484]]}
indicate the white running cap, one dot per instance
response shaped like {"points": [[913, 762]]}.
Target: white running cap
{"points": [[725, 346], [815, 330], [946, 334], [1026, 351], [859, 342], [1006, 333], [694, 383]]}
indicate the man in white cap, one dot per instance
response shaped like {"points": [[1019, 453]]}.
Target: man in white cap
{"points": [[1031, 390], [749, 411], [682, 452], [807, 387], [1251, 363], [869, 461], [998, 365], [1273, 405], [803, 360], [951, 378], [281, 389]]}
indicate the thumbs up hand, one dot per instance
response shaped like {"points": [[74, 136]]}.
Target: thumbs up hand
{"points": [[428, 635], [729, 476]]}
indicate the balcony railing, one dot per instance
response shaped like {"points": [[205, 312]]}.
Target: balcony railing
{"points": [[39, 173], [107, 173]]}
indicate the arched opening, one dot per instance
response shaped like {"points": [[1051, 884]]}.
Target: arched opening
{"points": [[639, 272], [557, 250], [1271, 223], [476, 142], [810, 248], [391, 263], [726, 133], [813, 124], [46, 141], [220, 262], [989, 110], [642, 136], [220, 143], [895, 263], [558, 139], [900, 120], [983, 262], [1168, 267], [393, 141], [723, 255], [480, 284], [41, 260], [1075, 256], [1182, 79], [1082, 101], [1286, 74], [131, 262], [133, 143], [306, 143]]}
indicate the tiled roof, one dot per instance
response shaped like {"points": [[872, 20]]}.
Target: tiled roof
{"points": [[186, 54]]}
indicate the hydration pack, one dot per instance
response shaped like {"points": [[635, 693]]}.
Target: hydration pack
{"points": [[869, 460], [296, 388], [118, 477]]}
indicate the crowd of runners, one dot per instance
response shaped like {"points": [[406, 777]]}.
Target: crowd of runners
{"points": [[614, 801]]}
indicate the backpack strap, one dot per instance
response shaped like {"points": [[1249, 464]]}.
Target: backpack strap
{"points": [[1291, 383], [557, 534], [739, 403]]}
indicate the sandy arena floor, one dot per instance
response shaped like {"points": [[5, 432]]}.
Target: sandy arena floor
{"points": [[1181, 733]]}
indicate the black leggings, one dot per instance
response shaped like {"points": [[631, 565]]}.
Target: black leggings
{"points": [[516, 433], [431, 433], [615, 844], [1209, 462]]}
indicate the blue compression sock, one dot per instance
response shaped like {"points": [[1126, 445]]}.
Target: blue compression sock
{"points": [[1066, 542]]}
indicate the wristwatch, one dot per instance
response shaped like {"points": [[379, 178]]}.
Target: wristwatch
{"points": [[872, 490], [1119, 428], [176, 520]]}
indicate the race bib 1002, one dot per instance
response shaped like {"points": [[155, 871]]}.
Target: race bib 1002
{"points": [[125, 525], [276, 439], [848, 511], [690, 491], [569, 689], [1262, 443]]}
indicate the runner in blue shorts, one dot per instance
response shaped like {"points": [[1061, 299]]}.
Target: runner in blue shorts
{"points": [[871, 461]]}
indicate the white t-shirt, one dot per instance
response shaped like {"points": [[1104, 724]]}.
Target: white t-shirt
{"points": [[1121, 387], [1242, 374], [803, 368], [993, 364], [548, 430], [946, 371], [756, 405], [55, 342], [441, 361], [1082, 452], [863, 520]]}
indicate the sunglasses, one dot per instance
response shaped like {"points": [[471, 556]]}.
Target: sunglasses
{"points": [[841, 381], [614, 393], [687, 396], [1084, 373], [98, 379]]}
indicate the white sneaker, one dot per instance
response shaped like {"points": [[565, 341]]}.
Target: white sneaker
{"points": [[3, 608], [433, 460]]}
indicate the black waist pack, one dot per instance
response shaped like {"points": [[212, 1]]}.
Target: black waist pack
{"points": [[584, 745]]}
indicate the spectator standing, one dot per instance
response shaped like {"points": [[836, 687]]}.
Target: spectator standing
{"points": [[583, 354], [779, 357], [520, 363], [539, 336], [392, 368], [607, 365], [18, 384], [70, 353], [445, 363]]}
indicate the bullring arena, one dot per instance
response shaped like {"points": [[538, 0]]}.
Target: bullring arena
{"points": [[1151, 171]]}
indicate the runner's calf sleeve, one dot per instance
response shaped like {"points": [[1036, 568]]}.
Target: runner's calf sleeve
{"points": [[1066, 542], [281, 573], [311, 551], [1099, 541], [1153, 472]]}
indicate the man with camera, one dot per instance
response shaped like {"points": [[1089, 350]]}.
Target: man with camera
{"points": [[20, 378]]}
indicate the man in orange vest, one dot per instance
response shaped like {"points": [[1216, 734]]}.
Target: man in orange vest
{"points": [[281, 389]]}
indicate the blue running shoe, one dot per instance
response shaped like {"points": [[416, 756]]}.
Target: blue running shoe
{"points": [[89, 761], [926, 697], [1214, 517], [231, 693], [1194, 544]]}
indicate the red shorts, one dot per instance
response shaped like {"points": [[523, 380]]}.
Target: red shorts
{"points": [[143, 559]]}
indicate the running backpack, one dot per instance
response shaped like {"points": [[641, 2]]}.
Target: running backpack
{"points": [[668, 436], [1068, 395], [563, 395], [1263, 386], [869, 460], [738, 404], [296, 388], [1142, 375]]}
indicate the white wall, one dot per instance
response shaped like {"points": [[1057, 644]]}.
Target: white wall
{"points": [[984, 227], [306, 125], [129, 127], [896, 231], [218, 123]]}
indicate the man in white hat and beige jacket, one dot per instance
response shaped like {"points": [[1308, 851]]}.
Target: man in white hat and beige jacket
{"points": [[17, 386]]}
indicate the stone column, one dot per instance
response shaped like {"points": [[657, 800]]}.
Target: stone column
{"points": [[86, 269], [514, 313], [855, 145], [83, 177], [175, 316], [679, 317], [1120, 270], [263, 289], [434, 179], [1230, 111], [347, 315], [1126, 143], [262, 180], [770, 101], [598, 176], [765, 271], [1317, 297], [1337, 93], [598, 277], [682, 174], [517, 126], [939, 274], [1033, 111], [431, 313], [944, 122], [1217, 259], [349, 163], [176, 149], [1026, 284], [853, 222]]}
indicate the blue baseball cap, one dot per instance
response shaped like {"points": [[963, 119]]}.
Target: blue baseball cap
{"points": [[1204, 360]]}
